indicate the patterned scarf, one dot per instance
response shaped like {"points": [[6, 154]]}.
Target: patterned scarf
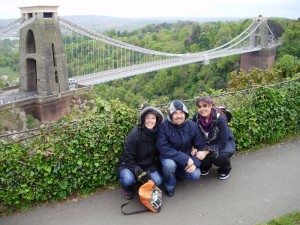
{"points": [[205, 125], [212, 122]]}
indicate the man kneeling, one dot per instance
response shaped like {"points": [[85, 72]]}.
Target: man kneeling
{"points": [[176, 136]]}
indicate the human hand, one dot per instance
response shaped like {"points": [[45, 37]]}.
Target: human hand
{"points": [[202, 154], [194, 151], [191, 169], [141, 175], [144, 177], [190, 162]]}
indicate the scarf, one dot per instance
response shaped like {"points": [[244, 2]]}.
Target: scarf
{"points": [[212, 122], [152, 133], [205, 125]]}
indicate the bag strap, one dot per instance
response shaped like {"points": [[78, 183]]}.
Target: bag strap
{"points": [[134, 212]]}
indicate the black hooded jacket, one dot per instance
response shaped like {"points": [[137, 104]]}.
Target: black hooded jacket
{"points": [[140, 145]]}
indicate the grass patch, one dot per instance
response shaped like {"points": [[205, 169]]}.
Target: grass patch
{"points": [[288, 219]]}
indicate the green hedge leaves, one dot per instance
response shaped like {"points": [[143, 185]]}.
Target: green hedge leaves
{"points": [[67, 158], [80, 156]]}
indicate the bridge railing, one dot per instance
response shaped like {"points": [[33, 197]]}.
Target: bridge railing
{"points": [[16, 97]]}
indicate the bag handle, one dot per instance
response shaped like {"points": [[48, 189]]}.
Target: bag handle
{"points": [[134, 212]]}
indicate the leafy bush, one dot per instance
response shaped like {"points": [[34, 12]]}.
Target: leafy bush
{"points": [[80, 156], [270, 115], [73, 157]]}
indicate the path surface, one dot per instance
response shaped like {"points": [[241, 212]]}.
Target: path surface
{"points": [[262, 185]]}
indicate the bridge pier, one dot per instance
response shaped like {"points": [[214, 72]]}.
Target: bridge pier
{"points": [[263, 59], [49, 110]]}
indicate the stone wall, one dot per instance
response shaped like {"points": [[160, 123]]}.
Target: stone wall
{"points": [[49, 110]]}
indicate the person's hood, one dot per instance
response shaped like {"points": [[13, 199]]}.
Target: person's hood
{"points": [[150, 109], [177, 105]]}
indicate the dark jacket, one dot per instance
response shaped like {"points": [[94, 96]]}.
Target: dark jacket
{"points": [[140, 145], [175, 142], [139, 149], [220, 135]]}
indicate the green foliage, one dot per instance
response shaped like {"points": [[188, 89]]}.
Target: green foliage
{"points": [[9, 56], [288, 219], [289, 65], [240, 80], [32, 122], [291, 40], [80, 156], [73, 157], [270, 115]]}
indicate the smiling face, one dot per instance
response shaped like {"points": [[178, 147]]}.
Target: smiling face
{"points": [[178, 117], [150, 121], [204, 109]]}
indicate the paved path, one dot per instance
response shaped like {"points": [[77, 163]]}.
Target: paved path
{"points": [[262, 185]]}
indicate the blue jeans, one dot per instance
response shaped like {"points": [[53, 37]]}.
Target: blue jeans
{"points": [[171, 171], [128, 179]]}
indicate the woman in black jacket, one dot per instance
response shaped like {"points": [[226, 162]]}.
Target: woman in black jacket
{"points": [[213, 124], [139, 159]]}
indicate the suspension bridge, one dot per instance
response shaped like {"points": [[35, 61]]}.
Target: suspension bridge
{"points": [[53, 49]]}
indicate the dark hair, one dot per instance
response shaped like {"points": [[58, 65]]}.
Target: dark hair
{"points": [[209, 101], [206, 99]]}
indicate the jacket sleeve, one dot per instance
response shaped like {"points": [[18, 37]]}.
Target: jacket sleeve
{"points": [[130, 149], [198, 143], [166, 150], [222, 138]]}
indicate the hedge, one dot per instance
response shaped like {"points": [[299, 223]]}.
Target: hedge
{"points": [[80, 156]]}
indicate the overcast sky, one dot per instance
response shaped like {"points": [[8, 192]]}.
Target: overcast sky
{"points": [[161, 8]]}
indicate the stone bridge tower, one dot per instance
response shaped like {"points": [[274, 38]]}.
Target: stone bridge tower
{"points": [[42, 57], [265, 58], [43, 67]]}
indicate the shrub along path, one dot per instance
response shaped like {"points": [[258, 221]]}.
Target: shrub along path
{"points": [[264, 184]]}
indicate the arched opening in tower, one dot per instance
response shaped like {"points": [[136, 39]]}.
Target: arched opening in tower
{"points": [[31, 75]]}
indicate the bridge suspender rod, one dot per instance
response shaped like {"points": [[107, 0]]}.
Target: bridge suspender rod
{"points": [[211, 50], [69, 25], [244, 37]]}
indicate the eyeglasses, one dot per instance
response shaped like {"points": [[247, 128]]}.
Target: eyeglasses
{"points": [[202, 106]]}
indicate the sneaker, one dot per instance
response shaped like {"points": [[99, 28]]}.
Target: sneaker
{"points": [[127, 194], [223, 176], [204, 172]]}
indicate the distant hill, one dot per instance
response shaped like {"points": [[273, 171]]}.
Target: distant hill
{"points": [[104, 23]]}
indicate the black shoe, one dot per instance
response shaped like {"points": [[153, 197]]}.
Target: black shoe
{"points": [[204, 172], [223, 176], [170, 193], [127, 194]]}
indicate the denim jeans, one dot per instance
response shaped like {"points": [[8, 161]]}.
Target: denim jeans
{"points": [[128, 179], [171, 171]]}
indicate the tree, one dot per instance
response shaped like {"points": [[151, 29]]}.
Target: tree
{"points": [[288, 64], [204, 42], [291, 40]]}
